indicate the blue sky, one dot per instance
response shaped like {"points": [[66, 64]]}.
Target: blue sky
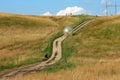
{"points": [[39, 7]]}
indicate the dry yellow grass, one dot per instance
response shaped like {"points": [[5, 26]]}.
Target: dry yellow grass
{"points": [[96, 54], [92, 70], [95, 51], [24, 38]]}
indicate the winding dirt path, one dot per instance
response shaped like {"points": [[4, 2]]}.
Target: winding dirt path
{"points": [[55, 57]]}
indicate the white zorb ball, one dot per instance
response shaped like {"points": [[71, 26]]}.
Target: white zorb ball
{"points": [[67, 29]]}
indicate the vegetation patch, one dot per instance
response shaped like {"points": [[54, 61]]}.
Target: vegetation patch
{"points": [[67, 52], [27, 39], [49, 47]]}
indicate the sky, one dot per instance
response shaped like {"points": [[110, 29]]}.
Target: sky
{"points": [[57, 7]]}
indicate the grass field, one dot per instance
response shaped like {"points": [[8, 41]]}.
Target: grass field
{"points": [[94, 52], [26, 39]]}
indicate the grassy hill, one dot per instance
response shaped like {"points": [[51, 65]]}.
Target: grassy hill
{"points": [[26, 39], [94, 51]]}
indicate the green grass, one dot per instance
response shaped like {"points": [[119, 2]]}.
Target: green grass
{"points": [[14, 63], [92, 53], [67, 51], [21, 40], [99, 40], [63, 64], [81, 19], [48, 49]]}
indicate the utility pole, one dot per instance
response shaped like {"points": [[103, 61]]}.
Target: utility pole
{"points": [[114, 5], [106, 8], [115, 8]]}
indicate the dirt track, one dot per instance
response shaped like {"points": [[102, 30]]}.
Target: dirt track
{"points": [[56, 56]]}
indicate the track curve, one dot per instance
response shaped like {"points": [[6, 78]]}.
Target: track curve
{"points": [[55, 57]]}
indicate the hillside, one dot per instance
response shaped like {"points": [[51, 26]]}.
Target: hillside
{"points": [[26, 39], [93, 53]]}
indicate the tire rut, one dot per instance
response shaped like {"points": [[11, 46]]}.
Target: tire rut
{"points": [[55, 57]]}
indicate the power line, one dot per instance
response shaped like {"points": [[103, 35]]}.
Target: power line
{"points": [[115, 6]]}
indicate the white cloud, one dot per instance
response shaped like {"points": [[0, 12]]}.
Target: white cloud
{"points": [[47, 14], [71, 10]]}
